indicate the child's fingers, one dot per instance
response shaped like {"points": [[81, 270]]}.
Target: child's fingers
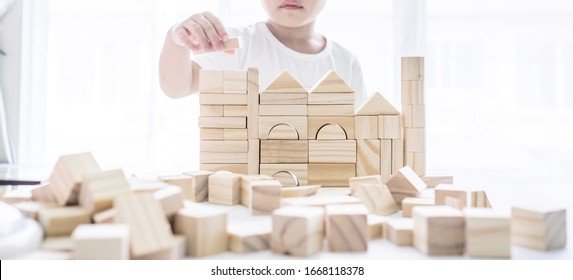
{"points": [[210, 32], [197, 35], [218, 25], [183, 39]]}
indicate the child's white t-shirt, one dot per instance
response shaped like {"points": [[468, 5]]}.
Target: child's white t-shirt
{"points": [[260, 48]]}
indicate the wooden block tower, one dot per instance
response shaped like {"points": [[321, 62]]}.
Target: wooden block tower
{"points": [[413, 113]]}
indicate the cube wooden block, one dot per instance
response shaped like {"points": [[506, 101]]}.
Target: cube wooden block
{"points": [[224, 146], [284, 151], [400, 231], [417, 161], [367, 157], [412, 92], [389, 127], [253, 102], [236, 168], [171, 199], [234, 81], [414, 115], [175, 252], [347, 228], [149, 229], [235, 111], [282, 110], [376, 226], [405, 182], [331, 98], [366, 127], [211, 111], [284, 172], [539, 227], [42, 194], [67, 176], [376, 105], [224, 188], [377, 198], [433, 180], [283, 128], [488, 233], [229, 157], [101, 242], [246, 184], [414, 139], [438, 230], [284, 99], [211, 81], [204, 228], [331, 175], [332, 151], [194, 184], [386, 158], [265, 197], [443, 191], [249, 237], [410, 202], [297, 230], [479, 199], [223, 99], [330, 110], [58, 221], [98, 190], [317, 123], [412, 69]]}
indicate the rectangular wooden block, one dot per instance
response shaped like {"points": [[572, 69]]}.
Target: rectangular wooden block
{"points": [[234, 81], [347, 228], [376, 226], [265, 197], [101, 242], [214, 157], [235, 134], [410, 202], [211, 111], [284, 151], [235, 111], [417, 161], [331, 98], [385, 159], [283, 128], [222, 122], [68, 174], [488, 233], [284, 172], [397, 154], [212, 134], [412, 69], [171, 199], [412, 92], [99, 189], [224, 146], [438, 230], [297, 230], [211, 81], [414, 139], [367, 157], [246, 185], [193, 184], [330, 110], [444, 191], [204, 228], [223, 99], [400, 231], [58, 221], [332, 151], [539, 227], [284, 99], [377, 198], [254, 157], [366, 127], [249, 237], [414, 115], [389, 127], [282, 110], [331, 175], [236, 168], [316, 123], [253, 102], [404, 183], [433, 180], [224, 189]]}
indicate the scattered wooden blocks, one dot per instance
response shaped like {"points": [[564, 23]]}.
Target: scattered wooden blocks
{"points": [[204, 228], [433, 181], [32, 208], [297, 230], [410, 202], [377, 198], [539, 227], [487, 233], [62, 220], [405, 183], [101, 242], [224, 188], [355, 182], [193, 183], [171, 199], [175, 252], [99, 189], [438, 230], [376, 226], [68, 174], [400, 231], [246, 184], [249, 237], [347, 228], [265, 197]]}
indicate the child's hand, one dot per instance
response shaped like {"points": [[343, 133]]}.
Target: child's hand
{"points": [[201, 32]]}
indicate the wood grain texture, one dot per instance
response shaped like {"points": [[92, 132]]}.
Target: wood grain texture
{"points": [[400, 231], [299, 170], [488, 233], [222, 122], [332, 151], [249, 237], [297, 230], [397, 154], [204, 228], [377, 198], [539, 227], [376, 105], [284, 99], [224, 188], [282, 110], [376, 226], [299, 191], [367, 157], [417, 161], [99, 189], [265, 197], [235, 111], [414, 115], [366, 127], [236, 168], [316, 123], [412, 69], [412, 92], [331, 175], [390, 127], [330, 110], [235, 81], [283, 128], [347, 228], [284, 151], [212, 134], [438, 230], [211, 81], [231, 157], [246, 183], [171, 199], [223, 99], [253, 102], [193, 183], [385, 159], [57, 221], [331, 99], [405, 182], [410, 202], [224, 146], [101, 242], [434, 180], [67, 176], [211, 110]]}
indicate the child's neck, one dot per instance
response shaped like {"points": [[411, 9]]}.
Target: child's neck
{"points": [[302, 39]]}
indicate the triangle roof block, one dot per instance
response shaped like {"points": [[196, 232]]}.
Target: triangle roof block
{"points": [[376, 105], [285, 83], [331, 82]]}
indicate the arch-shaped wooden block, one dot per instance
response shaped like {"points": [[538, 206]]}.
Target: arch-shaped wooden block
{"points": [[282, 131], [331, 131]]}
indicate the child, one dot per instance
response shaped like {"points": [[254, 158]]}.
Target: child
{"points": [[286, 41]]}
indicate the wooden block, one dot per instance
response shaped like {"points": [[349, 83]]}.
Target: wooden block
{"points": [[284, 99], [59, 243], [42, 194], [31, 209], [234, 81], [412, 69], [410, 202], [58, 221], [433, 181], [400, 231], [212, 111], [67, 176], [330, 110], [385, 159], [331, 98], [175, 252], [254, 156], [414, 115], [487, 233], [347, 228], [316, 123], [265, 197], [284, 151], [149, 229], [211, 81], [412, 92], [139, 185], [326, 191], [17, 196], [455, 203], [367, 157], [222, 122], [231, 44], [249, 237], [438, 230], [444, 191], [283, 128], [105, 216], [478, 199], [405, 182], [284, 172], [236, 168], [331, 82], [235, 111], [253, 102], [101, 242], [331, 132], [389, 127], [331, 151], [321, 200], [282, 110], [224, 146], [366, 127], [194, 184], [355, 182], [427, 193], [223, 99], [216, 134], [246, 185], [98, 190], [417, 161], [376, 226], [299, 191], [539, 227], [224, 188], [331, 175], [297, 230], [171, 199], [204, 228], [214, 157], [235, 134], [377, 198], [376, 105], [397, 154], [285, 83]]}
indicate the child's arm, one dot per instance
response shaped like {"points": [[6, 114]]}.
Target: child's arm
{"points": [[178, 75]]}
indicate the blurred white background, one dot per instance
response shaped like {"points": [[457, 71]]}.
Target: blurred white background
{"points": [[499, 88]]}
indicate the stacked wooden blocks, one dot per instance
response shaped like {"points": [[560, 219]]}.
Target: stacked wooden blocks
{"points": [[413, 113]]}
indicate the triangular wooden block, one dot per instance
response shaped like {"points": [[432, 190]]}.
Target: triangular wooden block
{"points": [[376, 105], [331, 82], [285, 83]]}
